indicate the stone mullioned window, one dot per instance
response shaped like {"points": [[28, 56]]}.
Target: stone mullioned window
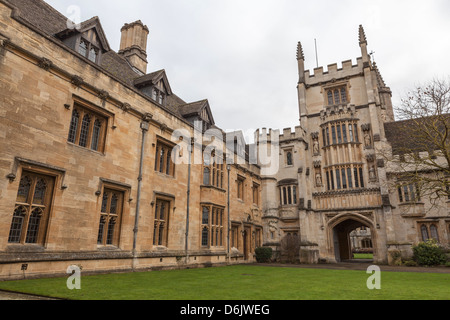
{"points": [[87, 129], [212, 226], [32, 210]]}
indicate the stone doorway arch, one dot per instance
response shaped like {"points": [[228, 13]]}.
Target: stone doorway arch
{"points": [[339, 229]]}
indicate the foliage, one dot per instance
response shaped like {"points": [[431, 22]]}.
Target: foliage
{"points": [[421, 152], [429, 253], [410, 263], [263, 254]]}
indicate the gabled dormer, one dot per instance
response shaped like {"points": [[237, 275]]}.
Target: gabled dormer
{"points": [[199, 111], [87, 39], [155, 85]]}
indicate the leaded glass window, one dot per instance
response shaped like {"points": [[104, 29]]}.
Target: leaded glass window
{"points": [[110, 217], [161, 223], [30, 217], [87, 129]]}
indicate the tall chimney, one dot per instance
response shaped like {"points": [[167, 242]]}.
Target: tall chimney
{"points": [[133, 45]]}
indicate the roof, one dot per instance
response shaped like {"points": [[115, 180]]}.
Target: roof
{"points": [[94, 22], [41, 15], [408, 136], [49, 21]]}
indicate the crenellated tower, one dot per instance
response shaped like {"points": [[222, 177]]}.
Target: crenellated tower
{"points": [[329, 177]]}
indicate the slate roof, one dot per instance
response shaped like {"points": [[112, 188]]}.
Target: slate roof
{"points": [[49, 21], [408, 136]]}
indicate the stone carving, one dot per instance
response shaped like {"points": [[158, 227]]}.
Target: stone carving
{"points": [[45, 64], [318, 180], [372, 173]]}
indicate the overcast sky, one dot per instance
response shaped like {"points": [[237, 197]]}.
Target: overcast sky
{"points": [[241, 54]]}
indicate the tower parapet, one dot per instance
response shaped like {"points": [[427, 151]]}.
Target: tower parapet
{"points": [[276, 136], [334, 73]]}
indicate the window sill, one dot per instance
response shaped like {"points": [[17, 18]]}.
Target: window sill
{"points": [[411, 204], [86, 149], [165, 175], [160, 248], [24, 248], [288, 206], [107, 248], [212, 187]]}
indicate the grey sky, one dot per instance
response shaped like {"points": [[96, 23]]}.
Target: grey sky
{"points": [[241, 54]]}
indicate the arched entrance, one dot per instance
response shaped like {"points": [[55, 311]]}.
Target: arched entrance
{"points": [[352, 234]]}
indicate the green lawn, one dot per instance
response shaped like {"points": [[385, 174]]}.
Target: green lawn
{"points": [[243, 283], [363, 256]]}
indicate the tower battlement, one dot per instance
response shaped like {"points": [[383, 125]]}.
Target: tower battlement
{"points": [[277, 136], [334, 73]]}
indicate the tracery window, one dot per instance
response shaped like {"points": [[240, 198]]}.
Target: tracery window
{"points": [[163, 159], [429, 232], [212, 226], [90, 132], [289, 158], [161, 223], [110, 217], [336, 96], [88, 50], [30, 217], [340, 132], [213, 171], [288, 195], [408, 193], [344, 177]]}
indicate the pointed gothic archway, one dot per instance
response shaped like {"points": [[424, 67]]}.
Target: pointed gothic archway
{"points": [[339, 230]]}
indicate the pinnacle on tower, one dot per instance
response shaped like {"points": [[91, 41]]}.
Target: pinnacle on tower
{"points": [[300, 55], [362, 35]]}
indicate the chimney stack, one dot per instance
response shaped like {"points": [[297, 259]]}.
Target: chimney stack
{"points": [[133, 45]]}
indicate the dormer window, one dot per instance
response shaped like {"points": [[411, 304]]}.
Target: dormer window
{"points": [[158, 96], [82, 49], [93, 54], [88, 40], [88, 50]]}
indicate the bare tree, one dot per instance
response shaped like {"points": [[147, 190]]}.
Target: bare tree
{"points": [[421, 141]]}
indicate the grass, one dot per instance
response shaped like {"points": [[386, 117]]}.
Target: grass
{"points": [[243, 283], [363, 256]]}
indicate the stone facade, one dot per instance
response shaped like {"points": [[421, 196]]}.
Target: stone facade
{"points": [[333, 177], [96, 169], [105, 167]]}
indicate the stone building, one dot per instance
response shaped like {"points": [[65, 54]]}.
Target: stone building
{"points": [[102, 163], [334, 177], [103, 166]]}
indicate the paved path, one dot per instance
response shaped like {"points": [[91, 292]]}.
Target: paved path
{"points": [[23, 297]]}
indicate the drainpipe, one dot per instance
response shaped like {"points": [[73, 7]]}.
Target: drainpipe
{"points": [[228, 208], [188, 200], [145, 125]]}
